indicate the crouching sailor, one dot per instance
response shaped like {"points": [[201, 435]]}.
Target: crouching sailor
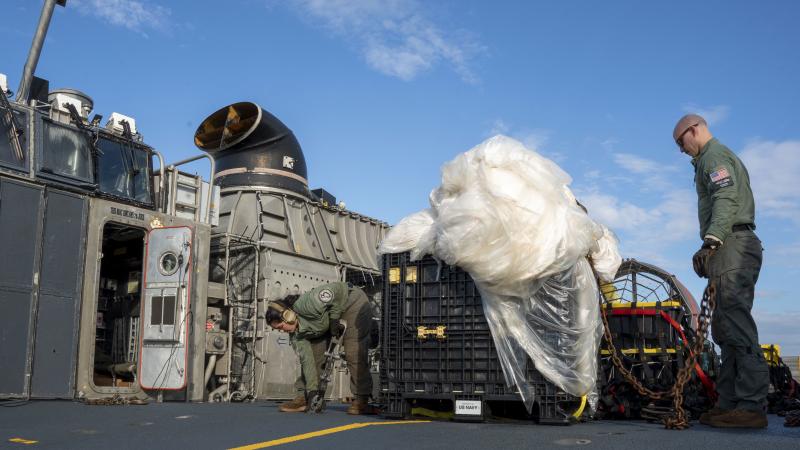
{"points": [[311, 319]]}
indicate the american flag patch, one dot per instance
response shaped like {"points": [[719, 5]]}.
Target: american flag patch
{"points": [[720, 174]]}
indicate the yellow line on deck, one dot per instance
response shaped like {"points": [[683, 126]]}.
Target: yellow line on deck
{"points": [[22, 441], [313, 434]]}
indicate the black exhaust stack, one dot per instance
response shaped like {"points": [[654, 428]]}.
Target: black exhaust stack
{"points": [[36, 48], [252, 147]]}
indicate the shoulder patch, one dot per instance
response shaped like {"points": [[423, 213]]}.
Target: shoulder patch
{"points": [[720, 177], [325, 295]]}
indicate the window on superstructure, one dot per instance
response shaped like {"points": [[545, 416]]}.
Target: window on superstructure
{"points": [[123, 170], [11, 155], [66, 151]]}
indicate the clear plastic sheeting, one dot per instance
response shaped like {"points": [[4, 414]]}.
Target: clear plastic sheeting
{"points": [[605, 256], [506, 215], [414, 232]]}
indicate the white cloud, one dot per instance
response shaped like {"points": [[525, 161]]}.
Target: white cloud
{"points": [[648, 232], [499, 126], [783, 253], [654, 223], [652, 175], [789, 250], [131, 14], [779, 328], [617, 214], [770, 294], [536, 139], [637, 164], [669, 220], [394, 37], [713, 115], [678, 216], [609, 144], [593, 174], [773, 168]]}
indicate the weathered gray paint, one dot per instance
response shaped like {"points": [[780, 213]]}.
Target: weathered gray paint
{"points": [[99, 214], [195, 389], [302, 244], [20, 205], [163, 359], [59, 296]]}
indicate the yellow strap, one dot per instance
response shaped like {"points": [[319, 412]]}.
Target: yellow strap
{"points": [[580, 408], [633, 351], [666, 304]]}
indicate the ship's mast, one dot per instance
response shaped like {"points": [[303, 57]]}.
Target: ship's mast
{"points": [[36, 48]]}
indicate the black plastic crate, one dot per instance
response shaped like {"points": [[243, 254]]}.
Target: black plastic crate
{"points": [[437, 350], [646, 326]]}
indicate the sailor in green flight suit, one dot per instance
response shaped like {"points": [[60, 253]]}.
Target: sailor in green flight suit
{"points": [[730, 255], [311, 319]]}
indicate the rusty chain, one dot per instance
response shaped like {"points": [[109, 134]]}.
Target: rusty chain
{"points": [[678, 421], [116, 399], [792, 419]]}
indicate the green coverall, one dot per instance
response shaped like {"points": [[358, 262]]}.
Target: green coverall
{"points": [[725, 202], [315, 310]]}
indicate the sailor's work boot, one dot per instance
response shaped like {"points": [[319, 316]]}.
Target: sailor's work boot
{"points": [[740, 418], [298, 404], [705, 418], [360, 406]]}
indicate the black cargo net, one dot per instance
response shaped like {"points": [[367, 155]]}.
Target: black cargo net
{"points": [[652, 320]]}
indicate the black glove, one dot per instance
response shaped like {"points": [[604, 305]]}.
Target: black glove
{"points": [[701, 257], [337, 327], [310, 395]]}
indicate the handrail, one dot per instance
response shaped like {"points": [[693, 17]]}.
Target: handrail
{"points": [[210, 179], [162, 199]]}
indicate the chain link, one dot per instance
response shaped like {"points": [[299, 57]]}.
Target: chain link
{"points": [[115, 400], [677, 421], [792, 419]]}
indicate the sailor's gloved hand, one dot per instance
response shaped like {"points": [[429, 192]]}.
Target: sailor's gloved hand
{"points": [[337, 327], [702, 256]]}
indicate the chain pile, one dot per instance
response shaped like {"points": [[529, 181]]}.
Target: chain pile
{"points": [[792, 419], [790, 411], [678, 421], [115, 400]]}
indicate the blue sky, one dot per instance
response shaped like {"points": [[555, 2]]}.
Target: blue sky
{"points": [[381, 94]]}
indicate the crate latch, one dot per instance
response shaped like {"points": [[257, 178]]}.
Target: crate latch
{"points": [[438, 332]]}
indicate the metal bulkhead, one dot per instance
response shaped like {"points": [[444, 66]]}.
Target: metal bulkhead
{"points": [[164, 255]]}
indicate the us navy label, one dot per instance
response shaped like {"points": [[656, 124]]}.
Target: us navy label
{"points": [[468, 407], [127, 213]]}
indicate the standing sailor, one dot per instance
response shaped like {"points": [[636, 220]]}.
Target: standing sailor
{"points": [[730, 256]]}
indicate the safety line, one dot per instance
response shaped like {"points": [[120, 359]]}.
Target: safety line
{"points": [[313, 434], [22, 441]]}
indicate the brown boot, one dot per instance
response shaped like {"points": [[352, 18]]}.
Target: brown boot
{"points": [[360, 406], [705, 418], [740, 418], [298, 404]]}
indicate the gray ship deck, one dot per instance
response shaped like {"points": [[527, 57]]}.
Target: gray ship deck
{"points": [[68, 425]]}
